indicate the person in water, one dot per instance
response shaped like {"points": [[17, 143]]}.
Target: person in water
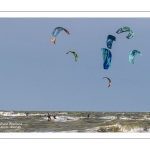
{"points": [[27, 114], [88, 115], [54, 116], [49, 117]]}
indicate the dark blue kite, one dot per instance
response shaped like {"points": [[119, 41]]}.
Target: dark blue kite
{"points": [[106, 58], [110, 40]]}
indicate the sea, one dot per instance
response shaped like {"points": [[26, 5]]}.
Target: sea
{"points": [[74, 122]]}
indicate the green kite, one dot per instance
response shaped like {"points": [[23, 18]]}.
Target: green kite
{"points": [[74, 53]]}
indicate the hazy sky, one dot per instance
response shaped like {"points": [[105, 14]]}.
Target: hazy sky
{"points": [[38, 75]]}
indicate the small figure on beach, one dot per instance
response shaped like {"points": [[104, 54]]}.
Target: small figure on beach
{"points": [[49, 117], [88, 115]]}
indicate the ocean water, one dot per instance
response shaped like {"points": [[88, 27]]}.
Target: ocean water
{"points": [[100, 122]]}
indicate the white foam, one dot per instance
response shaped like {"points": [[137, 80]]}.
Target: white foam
{"points": [[11, 113], [109, 117], [63, 113], [94, 129], [14, 114], [134, 130], [84, 117], [122, 129], [125, 118], [147, 118], [38, 115], [63, 118]]}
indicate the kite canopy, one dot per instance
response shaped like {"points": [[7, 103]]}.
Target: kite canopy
{"points": [[133, 54], [110, 83], [55, 32], [126, 29], [107, 56], [74, 53], [110, 40]]}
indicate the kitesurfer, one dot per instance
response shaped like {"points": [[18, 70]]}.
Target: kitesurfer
{"points": [[54, 116], [49, 117]]}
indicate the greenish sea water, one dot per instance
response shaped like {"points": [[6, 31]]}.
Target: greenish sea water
{"points": [[100, 122]]}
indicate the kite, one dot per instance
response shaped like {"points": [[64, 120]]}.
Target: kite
{"points": [[133, 54], [55, 32], [74, 53], [107, 56], [110, 40], [110, 83], [126, 29]]}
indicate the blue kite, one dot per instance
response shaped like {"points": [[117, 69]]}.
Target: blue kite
{"points": [[107, 56], [55, 32], [110, 40], [133, 54]]}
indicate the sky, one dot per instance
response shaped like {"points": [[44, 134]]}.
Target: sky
{"points": [[38, 75]]}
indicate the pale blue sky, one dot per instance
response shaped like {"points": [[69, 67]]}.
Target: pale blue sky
{"points": [[38, 75]]}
